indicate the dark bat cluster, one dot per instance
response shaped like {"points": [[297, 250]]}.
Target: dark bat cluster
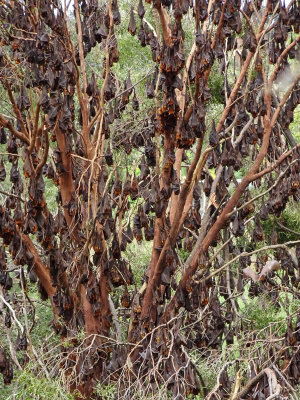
{"points": [[6, 368], [50, 66]]}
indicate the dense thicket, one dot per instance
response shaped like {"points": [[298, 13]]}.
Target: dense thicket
{"points": [[200, 188]]}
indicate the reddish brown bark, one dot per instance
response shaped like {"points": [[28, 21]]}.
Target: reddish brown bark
{"points": [[39, 268], [8, 124], [217, 226], [157, 268], [66, 181], [164, 20], [67, 189]]}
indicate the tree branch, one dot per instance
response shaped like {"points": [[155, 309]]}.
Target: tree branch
{"points": [[272, 384], [8, 124]]}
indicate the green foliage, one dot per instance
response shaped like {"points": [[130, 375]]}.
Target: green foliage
{"points": [[30, 387], [5, 391], [43, 339], [183, 254], [290, 218], [261, 312], [139, 257], [106, 392], [43, 316], [295, 125], [216, 83], [51, 194]]}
